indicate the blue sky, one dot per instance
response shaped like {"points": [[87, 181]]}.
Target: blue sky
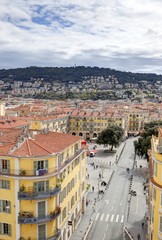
{"points": [[120, 34]]}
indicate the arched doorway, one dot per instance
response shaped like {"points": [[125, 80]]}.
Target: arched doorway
{"points": [[94, 135], [81, 134], [74, 133]]}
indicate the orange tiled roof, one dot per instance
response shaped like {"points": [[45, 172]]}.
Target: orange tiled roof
{"points": [[45, 144]]}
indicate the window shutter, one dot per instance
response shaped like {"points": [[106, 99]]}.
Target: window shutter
{"points": [[47, 185], [35, 167], [9, 229], [8, 165], [0, 183], [46, 164], [35, 187], [0, 228], [9, 204], [8, 184]]}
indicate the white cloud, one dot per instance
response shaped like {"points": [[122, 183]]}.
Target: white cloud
{"points": [[125, 35]]}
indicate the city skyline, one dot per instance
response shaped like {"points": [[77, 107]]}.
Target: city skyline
{"points": [[123, 36]]}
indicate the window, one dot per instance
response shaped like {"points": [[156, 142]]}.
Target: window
{"points": [[5, 229], [5, 206], [42, 232], [64, 214], [4, 166], [40, 165], [41, 186], [4, 184], [160, 227], [60, 159]]}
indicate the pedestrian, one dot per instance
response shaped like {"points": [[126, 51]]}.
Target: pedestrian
{"points": [[142, 224], [138, 236], [93, 188], [88, 176]]}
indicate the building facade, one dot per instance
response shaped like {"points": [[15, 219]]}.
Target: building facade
{"points": [[155, 190], [42, 187]]}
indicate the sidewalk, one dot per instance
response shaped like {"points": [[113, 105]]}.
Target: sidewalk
{"points": [[93, 197], [137, 204]]}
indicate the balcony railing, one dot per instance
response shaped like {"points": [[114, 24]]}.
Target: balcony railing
{"points": [[38, 195], [40, 172], [54, 237], [30, 219]]}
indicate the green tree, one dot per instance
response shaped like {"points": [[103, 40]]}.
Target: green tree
{"points": [[143, 143], [110, 136]]}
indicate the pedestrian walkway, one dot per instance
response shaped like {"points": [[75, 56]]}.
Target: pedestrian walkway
{"points": [[136, 216], [94, 199]]}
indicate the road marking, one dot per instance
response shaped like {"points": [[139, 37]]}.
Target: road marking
{"points": [[97, 216], [107, 217], [107, 227], [121, 202], [104, 236], [122, 219], [117, 218], [102, 217], [112, 217]]}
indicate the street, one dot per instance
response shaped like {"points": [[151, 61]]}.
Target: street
{"points": [[111, 213]]}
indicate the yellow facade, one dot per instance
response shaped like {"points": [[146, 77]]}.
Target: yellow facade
{"points": [[42, 197], [155, 194], [89, 127], [58, 124]]}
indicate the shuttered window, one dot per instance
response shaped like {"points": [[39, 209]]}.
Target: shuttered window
{"points": [[5, 229], [5, 206], [4, 166], [4, 184]]}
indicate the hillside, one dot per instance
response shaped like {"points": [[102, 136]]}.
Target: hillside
{"points": [[76, 74]]}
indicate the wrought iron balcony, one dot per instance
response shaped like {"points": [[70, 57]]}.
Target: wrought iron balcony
{"points": [[56, 236], [28, 218], [38, 195]]}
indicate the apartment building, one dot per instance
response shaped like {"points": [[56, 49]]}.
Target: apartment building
{"points": [[155, 191], [88, 124], [57, 123], [42, 187]]}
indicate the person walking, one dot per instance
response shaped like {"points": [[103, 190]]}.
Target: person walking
{"points": [[138, 236]]}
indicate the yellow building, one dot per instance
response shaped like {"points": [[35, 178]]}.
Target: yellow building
{"points": [[88, 124], [155, 193], [42, 187], [57, 123]]}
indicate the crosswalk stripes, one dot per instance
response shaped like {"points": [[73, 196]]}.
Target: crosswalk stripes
{"points": [[107, 217], [111, 218], [102, 216], [97, 216], [122, 220], [117, 217]]}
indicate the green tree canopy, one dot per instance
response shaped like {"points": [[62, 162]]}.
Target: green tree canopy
{"points": [[110, 136], [143, 143]]}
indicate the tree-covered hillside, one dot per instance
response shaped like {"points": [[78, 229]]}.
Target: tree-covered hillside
{"points": [[73, 74]]}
